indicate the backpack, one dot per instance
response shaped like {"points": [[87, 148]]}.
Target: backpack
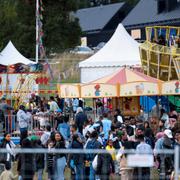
{"points": [[90, 145]]}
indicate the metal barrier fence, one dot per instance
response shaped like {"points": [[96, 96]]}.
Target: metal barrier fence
{"points": [[134, 160], [36, 123]]}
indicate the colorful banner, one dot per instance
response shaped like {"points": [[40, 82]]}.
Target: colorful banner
{"points": [[139, 89], [171, 88], [69, 90], [98, 90]]}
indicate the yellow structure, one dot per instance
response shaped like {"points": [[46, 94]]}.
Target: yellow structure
{"points": [[160, 53]]}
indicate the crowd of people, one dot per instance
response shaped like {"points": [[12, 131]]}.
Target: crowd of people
{"points": [[110, 131]]}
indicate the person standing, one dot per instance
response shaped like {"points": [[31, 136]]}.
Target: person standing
{"points": [[80, 119], [9, 146], [92, 144], [4, 108], [105, 166], [143, 148], [53, 104], [25, 165], [106, 126], [60, 159], [75, 104], [23, 119], [77, 158]]}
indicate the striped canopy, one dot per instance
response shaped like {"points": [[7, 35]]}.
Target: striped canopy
{"points": [[124, 76]]}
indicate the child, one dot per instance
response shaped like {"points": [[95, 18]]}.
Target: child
{"points": [[7, 174]]}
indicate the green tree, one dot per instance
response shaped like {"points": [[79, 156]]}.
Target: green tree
{"points": [[8, 17], [61, 29], [17, 23], [25, 33]]}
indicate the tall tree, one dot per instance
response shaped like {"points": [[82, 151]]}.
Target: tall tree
{"points": [[17, 23], [7, 21], [26, 27], [61, 29]]}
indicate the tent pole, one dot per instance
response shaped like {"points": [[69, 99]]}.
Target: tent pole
{"points": [[37, 30]]}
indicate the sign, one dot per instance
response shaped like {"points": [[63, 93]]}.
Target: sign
{"points": [[84, 41], [140, 160]]}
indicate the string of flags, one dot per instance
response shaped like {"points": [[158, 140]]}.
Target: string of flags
{"points": [[42, 51]]}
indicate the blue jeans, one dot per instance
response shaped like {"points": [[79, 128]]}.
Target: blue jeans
{"points": [[79, 171], [91, 173], [40, 174], [59, 169]]}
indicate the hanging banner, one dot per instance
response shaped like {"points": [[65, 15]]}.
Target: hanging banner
{"points": [[139, 89], [98, 90], [171, 88], [69, 90]]}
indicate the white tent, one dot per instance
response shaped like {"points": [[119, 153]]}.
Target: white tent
{"points": [[119, 51], [10, 55]]}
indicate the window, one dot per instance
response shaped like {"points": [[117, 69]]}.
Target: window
{"points": [[136, 33]]}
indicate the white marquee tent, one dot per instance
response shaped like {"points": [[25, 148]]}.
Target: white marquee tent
{"points": [[119, 51], [10, 55]]}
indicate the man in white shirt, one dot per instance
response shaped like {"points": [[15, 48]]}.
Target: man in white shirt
{"points": [[23, 119], [53, 105]]}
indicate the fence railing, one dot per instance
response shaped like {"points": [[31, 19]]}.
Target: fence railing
{"points": [[140, 160], [36, 123]]}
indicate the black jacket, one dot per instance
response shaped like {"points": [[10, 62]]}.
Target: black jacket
{"points": [[80, 119], [105, 164], [78, 159], [26, 166]]}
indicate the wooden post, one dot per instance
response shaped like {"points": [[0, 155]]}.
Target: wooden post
{"points": [[158, 72]]}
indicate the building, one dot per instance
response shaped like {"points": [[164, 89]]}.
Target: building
{"points": [[152, 13], [99, 23]]}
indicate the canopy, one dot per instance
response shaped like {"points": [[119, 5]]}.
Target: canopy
{"points": [[124, 76], [171, 88], [10, 55], [120, 50], [123, 83], [126, 83]]}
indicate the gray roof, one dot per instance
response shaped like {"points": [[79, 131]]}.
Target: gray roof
{"points": [[96, 18], [146, 12]]}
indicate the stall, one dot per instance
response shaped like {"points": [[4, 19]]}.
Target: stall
{"points": [[124, 87]]}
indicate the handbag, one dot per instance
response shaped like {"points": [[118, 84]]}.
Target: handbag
{"points": [[95, 162]]}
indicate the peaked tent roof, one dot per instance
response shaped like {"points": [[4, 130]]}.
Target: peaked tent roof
{"points": [[120, 50], [146, 12], [96, 18], [10, 55], [125, 75]]}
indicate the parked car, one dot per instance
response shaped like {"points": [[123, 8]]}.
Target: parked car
{"points": [[82, 50], [99, 46]]}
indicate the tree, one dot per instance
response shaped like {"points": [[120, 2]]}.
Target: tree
{"points": [[61, 29], [17, 23], [8, 17]]}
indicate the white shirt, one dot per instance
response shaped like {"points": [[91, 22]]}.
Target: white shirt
{"points": [[23, 118], [45, 137], [53, 106]]}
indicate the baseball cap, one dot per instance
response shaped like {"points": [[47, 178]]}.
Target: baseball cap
{"points": [[168, 133]]}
